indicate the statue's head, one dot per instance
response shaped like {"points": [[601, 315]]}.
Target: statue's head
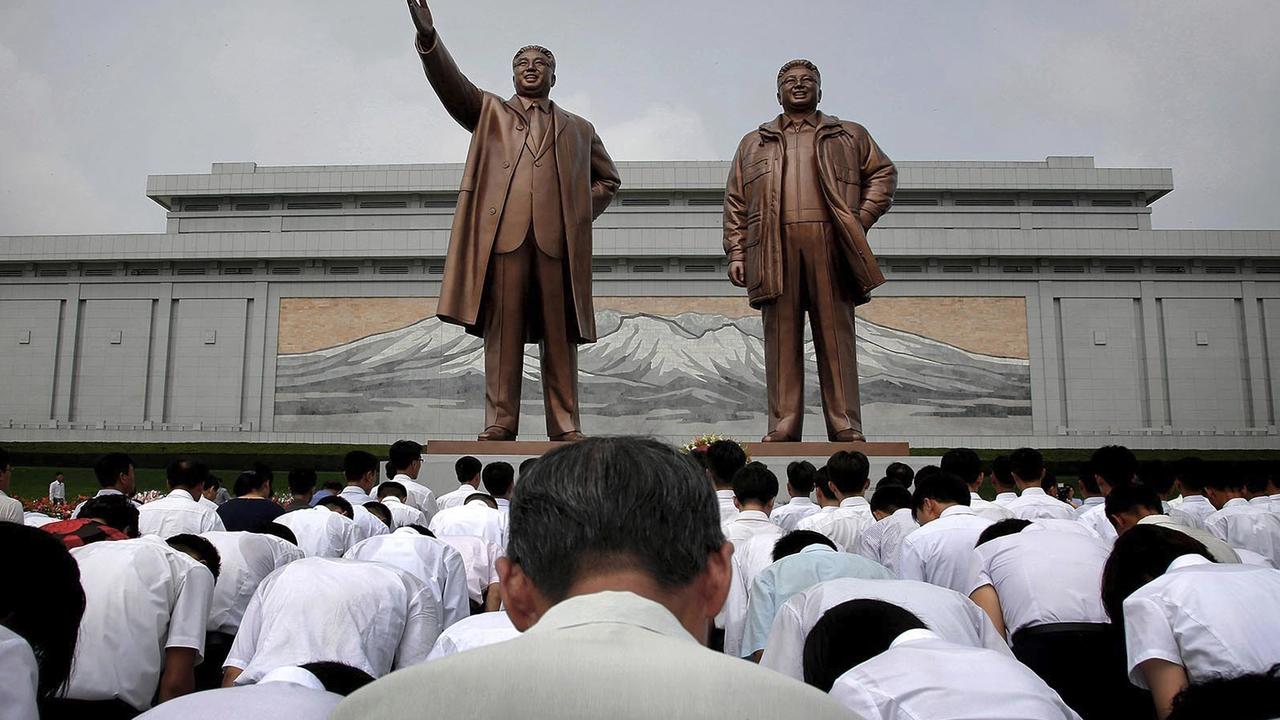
{"points": [[799, 86], [534, 71]]}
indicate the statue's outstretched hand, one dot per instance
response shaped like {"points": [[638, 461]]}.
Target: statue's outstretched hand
{"points": [[421, 15]]}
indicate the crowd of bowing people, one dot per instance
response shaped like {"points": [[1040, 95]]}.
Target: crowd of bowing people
{"points": [[620, 577]]}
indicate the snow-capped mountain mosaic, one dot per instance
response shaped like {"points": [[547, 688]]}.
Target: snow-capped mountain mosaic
{"points": [[671, 377]]}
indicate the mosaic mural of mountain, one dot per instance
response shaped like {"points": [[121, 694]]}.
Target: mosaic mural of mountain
{"points": [[667, 376]]}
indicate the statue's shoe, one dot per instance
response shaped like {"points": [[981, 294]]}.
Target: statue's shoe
{"points": [[571, 436], [776, 436], [495, 432], [849, 435]]}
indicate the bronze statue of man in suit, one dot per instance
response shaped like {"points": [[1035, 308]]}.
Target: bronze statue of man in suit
{"points": [[519, 263], [802, 192]]}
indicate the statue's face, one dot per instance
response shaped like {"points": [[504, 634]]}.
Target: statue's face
{"points": [[799, 90], [534, 75]]}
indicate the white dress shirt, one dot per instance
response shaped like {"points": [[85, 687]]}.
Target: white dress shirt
{"points": [[1034, 503], [469, 633], [1089, 504], [141, 597], [1205, 617], [432, 561], [207, 503], [421, 497], [21, 677], [321, 532], [793, 574], [1004, 498], [403, 514], [175, 514], [287, 693], [923, 676], [1043, 576], [941, 552], [371, 616], [104, 491], [882, 541], [10, 509], [479, 561], [1247, 526], [476, 519], [844, 524], [456, 497], [953, 616], [748, 524], [35, 519], [57, 491], [786, 516], [988, 509], [1193, 511], [246, 559], [1095, 518], [1249, 557], [1261, 501], [610, 655], [815, 520], [1219, 549], [728, 510]]}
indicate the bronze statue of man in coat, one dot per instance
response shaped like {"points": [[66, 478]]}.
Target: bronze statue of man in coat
{"points": [[519, 263], [803, 190]]}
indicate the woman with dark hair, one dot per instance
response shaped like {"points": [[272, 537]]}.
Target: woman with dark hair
{"points": [[45, 614], [1186, 618]]}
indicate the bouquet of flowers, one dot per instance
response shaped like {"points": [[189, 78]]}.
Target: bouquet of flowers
{"points": [[60, 511], [147, 496], [697, 447]]}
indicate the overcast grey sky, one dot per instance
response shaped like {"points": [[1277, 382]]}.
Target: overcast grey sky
{"points": [[96, 95]]}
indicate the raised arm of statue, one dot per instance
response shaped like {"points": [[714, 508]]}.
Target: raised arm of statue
{"points": [[459, 96]]}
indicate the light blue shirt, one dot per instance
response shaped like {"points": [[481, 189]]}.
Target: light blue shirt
{"points": [[795, 574]]}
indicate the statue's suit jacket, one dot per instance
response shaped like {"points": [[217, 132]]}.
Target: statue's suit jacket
{"points": [[588, 181]]}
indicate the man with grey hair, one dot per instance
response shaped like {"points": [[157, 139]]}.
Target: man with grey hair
{"points": [[615, 566], [803, 190]]}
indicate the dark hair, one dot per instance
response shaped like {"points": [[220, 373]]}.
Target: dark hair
{"points": [[466, 468], [108, 469], [1140, 556], [357, 463], [901, 472], [1250, 697], [1002, 472], [1131, 496], [941, 486], [382, 512], [339, 503], [1157, 475], [1191, 473], [850, 634], [797, 540], [1225, 479], [755, 482], [498, 477], [822, 483], [526, 465], [402, 453], [610, 502], [275, 529], [5, 462], [302, 481], [1115, 464], [201, 549], [44, 601], [849, 471], [186, 474], [800, 476], [247, 482], [1027, 464], [263, 470], [889, 497], [212, 481], [115, 511], [1088, 482], [337, 678], [1000, 528], [1255, 478], [333, 485], [963, 462], [421, 530], [392, 488], [480, 497], [724, 458]]}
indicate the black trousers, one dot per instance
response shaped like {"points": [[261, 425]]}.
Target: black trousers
{"points": [[209, 672], [63, 709], [1086, 664]]}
